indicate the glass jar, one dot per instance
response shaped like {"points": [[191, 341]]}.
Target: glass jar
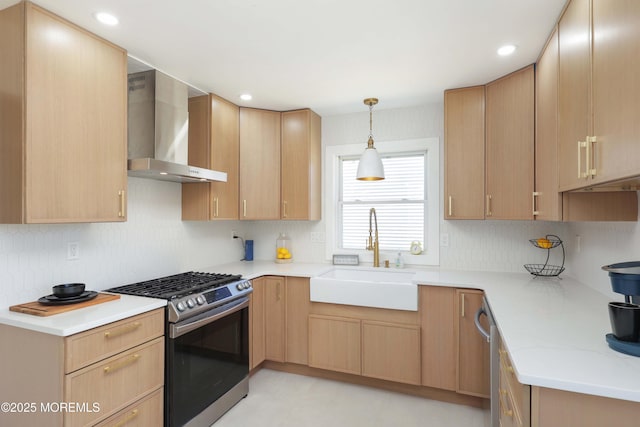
{"points": [[283, 249]]}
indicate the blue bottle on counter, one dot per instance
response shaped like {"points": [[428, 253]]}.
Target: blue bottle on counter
{"points": [[248, 250]]}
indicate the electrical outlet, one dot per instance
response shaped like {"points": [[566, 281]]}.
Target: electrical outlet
{"points": [[234, 234], [73, 250], [444, 239]]}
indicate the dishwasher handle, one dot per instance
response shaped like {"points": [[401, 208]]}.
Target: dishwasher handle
{"points": [[479, 327]]}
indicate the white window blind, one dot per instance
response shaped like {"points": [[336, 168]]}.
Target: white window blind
{"points": [[399, 201]]}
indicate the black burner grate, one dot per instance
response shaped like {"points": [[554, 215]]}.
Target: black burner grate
{"points": [[175, 286]]}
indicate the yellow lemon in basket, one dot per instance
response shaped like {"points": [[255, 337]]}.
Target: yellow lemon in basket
{"points": [[544, 243]]}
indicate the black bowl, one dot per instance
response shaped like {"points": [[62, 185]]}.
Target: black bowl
{"points": [[625, 321], [68, 290]]}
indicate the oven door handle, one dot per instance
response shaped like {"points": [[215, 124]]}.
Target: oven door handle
{"points": [[176, 331]]}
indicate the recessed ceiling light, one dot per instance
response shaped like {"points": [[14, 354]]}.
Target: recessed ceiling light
{"points": [[106, 18], [246, 97], [506, 50]]}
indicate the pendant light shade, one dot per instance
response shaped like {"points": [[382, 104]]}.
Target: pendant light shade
{"points": [[370, 166]]}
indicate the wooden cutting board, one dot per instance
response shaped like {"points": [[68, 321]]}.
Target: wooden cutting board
{"points": [[38, 309]]}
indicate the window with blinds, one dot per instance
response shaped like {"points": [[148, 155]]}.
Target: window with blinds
{"points": [[399, 200]]}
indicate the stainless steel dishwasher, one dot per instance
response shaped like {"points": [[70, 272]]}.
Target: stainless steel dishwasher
{"points": [[492, 338]]}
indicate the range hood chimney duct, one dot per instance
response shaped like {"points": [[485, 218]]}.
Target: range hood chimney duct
{"points": [[158, 128]]}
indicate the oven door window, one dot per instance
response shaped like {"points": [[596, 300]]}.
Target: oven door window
{"points": [[206, 363]]}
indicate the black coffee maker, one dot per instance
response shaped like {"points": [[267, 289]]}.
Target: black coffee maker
{"points": [[625, 316]]}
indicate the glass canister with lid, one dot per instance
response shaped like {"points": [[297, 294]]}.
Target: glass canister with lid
{"points": [[283, 249]]}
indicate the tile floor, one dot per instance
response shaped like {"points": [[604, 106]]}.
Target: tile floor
{"points": [[278, 399]]}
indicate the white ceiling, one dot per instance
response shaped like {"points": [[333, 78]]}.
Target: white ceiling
{"points": [[324, 54]]}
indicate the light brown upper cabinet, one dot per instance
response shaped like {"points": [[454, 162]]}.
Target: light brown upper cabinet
{"points": [[63, 116], [464, 153], [549, 203], [214, 143], [599, 98], [259, 164], [510, 146], [301, 164]]}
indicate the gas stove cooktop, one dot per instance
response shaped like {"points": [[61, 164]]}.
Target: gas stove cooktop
{"points": [[177, 286], [190, 293]]}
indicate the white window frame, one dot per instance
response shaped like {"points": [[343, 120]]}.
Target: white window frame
{"points": [[431, 148]]}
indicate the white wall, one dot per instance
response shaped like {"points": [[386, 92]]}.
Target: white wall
{"points": [[155, 242], [152, 243]]}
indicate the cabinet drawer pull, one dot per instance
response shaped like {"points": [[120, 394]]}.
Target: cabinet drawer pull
{"points": [[128, 418], [450, 206], [124, 330], [121, 364], [462, 305], [506, 412], [533, 203], [121, 212], [510, 370]]}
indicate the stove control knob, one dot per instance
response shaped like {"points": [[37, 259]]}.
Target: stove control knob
{"points": [[240, 286], [200, 300], [191, 303], [180, 306], [247, 285]]}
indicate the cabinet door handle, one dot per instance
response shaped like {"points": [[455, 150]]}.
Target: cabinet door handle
{"points": [[591, 170], [278, 292], [244, 208], [121, 212], [128, 418], [123, 330], [462, 305], [533, 203], [489, 213], [450, 206], [284, 208], [215, 207], [121, 364], [581, 145]]}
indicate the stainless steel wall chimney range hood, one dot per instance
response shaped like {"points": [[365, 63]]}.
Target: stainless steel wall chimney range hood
{"points": [[158, 125]]}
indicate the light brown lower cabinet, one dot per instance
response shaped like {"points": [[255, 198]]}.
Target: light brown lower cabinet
{"points": [[145, 412], [297, 303], [278, 313], [514, 398], [274, 318], [110, 371], [391, 352], [334, 344], [472, 348], [372, 342], [256, 323]]}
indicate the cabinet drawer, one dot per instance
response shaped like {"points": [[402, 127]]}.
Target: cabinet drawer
{"points": [[145, 412], [391, 352], [509, 382], [97, 344], [509, 416], [116, 382]]}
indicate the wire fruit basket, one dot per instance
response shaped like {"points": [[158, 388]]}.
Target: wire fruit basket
{"points": [[548, 242]]}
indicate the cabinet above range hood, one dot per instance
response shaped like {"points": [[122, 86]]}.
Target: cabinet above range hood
{"points": [[158, 128]]}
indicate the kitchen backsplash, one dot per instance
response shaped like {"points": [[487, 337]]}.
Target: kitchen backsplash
{"points": [[155, 242]]}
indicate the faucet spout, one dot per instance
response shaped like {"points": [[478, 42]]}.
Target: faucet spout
{"points": [[373, 245]]}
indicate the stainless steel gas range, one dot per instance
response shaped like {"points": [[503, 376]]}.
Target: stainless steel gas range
{"points": [[207, 343]]}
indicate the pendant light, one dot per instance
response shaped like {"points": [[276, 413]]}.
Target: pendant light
{"points": [[370, 165]]}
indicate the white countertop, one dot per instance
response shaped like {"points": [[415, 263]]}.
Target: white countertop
{"points": [[554, 329], [82, 319]]}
